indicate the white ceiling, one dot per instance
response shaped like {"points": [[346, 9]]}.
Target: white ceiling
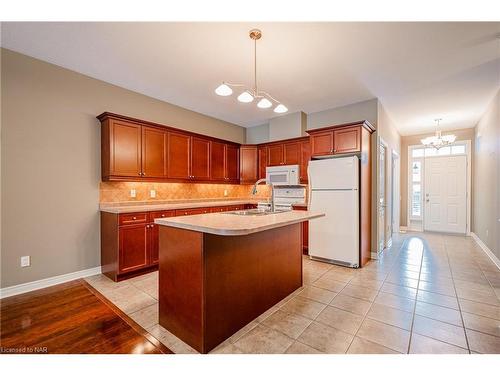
{"points": [[419, 71]]}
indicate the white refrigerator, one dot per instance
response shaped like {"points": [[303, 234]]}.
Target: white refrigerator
{"points": [[334, 190]]}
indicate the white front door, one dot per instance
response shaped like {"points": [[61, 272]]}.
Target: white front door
{"points": [[446, 194]]}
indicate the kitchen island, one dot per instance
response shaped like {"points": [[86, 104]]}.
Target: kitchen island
{"points": [[220, 271]]}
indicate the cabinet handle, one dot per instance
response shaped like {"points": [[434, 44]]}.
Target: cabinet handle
{"points": [[163, 215], [134, 218], [140, 174]]}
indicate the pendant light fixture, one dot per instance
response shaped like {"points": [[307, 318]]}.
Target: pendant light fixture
{"points": [[437, 141], [264, 99]]}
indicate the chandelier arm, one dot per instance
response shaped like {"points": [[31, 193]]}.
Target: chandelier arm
{"points": [[233, 84], [270, 97]]}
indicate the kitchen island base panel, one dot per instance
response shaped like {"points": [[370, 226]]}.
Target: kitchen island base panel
{"points": [[210, 286]]}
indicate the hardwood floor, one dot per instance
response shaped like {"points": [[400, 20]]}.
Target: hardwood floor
{"points": [[70, 318]]}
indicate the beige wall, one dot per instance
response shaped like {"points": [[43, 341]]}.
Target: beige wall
{"points": [[257, 134], [50, 155], [462, 135], [390, 136], [486, 197], [366, 110]]}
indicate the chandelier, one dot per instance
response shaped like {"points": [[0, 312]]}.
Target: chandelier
{"points": [[437, 141], [265, 100]]}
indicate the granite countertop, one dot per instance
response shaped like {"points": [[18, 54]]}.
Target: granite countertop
{"points": [[225, 224], [119, 208]]}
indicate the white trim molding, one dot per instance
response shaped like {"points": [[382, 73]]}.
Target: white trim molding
{"points": [[486, 249], [44, 283]]}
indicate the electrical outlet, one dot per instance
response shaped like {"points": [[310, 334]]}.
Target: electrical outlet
{"points": [[152, 193], [25, 261], [225, 192], [133, 193]]}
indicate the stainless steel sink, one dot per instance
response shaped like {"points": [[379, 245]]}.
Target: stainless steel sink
{"points": [[253, 212]]}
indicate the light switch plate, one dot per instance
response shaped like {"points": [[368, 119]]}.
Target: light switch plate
{"points": [[225, 193], [152, 193], [25, 261], [132, 193]]}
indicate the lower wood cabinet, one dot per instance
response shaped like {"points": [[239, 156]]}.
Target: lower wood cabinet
{"points": [[305, 232], [129, 241]]}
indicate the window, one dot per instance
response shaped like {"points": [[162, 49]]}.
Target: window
{"points": [[416, 189], [417, 152], [458, 149]]}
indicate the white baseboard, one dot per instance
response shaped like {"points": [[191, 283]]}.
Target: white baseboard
{"points": [[486, 249], [44, 283]]}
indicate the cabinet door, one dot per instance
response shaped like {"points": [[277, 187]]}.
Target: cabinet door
{"points": [[347, 140], [275, 155], [125, 153], [322, 143], [291, 153], [248, 164], [305, 156], [262, 161], [154, 152], [217, 156], [190, 211], [232, 164], [154, 232], [178, 155], [133, 247], [200, 158]]}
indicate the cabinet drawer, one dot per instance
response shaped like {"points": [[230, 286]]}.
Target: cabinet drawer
{"points": [[235, 207], [190, 211], [160, 214], [218, 209], [133, 218]]}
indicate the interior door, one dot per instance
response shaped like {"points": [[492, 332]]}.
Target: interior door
{"points": [[382, 205], [446, 194]]}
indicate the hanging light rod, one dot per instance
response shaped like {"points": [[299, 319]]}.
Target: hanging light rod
{"points": [[265, 100]]}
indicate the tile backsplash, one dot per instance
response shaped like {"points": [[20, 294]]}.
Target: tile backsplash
{"points": [[111, 192]]}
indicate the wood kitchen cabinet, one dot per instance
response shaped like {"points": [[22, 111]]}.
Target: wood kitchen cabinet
{"points": [[134, 251], [338, 139], [137, 150], [217, 161], [275, 155], [249, 166], [291, 153], [262, 160], [305, 231], [305, 156], [200, 159], [122, 154], [154, 152], [179, 149]]}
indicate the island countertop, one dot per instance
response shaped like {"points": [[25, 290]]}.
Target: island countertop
{"points": [[225, 224]]}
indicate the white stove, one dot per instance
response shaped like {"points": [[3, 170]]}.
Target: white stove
{"points": [[285, 197]]}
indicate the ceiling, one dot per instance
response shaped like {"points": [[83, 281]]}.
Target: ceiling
{"points": [[419, 71]]}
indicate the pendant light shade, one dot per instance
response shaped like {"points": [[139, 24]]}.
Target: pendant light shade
{"points": [[245, 97], [280, 108], [223, 90], [437, 141], [264, 103]]}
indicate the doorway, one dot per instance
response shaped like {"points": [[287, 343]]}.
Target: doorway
{"points": [[395, 193], [445, 207]]}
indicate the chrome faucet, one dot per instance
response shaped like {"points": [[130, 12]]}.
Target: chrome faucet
{"points": [[254, 191]]}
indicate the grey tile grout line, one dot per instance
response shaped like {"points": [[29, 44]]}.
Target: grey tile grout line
{"points": [[458, 301], [372, 302]]}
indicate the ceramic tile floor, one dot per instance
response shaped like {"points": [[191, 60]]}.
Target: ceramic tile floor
{"points": [[428, 293]]}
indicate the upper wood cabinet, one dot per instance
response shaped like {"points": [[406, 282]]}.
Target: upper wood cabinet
{"points": [[347, 140], [122, 141], [217, 161], [322, 143], [262, 160], [232, 163], [291, 153], [248, 164], [200, 159], [154, 152], [275, 155], [137, 150], [338, 139], [179, 150], [305, 156]]}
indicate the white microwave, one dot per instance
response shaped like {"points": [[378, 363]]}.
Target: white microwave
{"points": [[283, 175]]}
